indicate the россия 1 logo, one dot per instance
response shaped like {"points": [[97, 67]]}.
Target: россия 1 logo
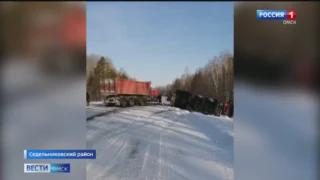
{"points": [[288, 16]]}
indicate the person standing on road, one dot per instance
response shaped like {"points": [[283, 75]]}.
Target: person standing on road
{"points": [[88, 99], [226, 108], [160, 99], [173, 97], [221, 108]]}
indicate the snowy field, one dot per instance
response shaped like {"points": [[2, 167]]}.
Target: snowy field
{"points": [[158, 143]]}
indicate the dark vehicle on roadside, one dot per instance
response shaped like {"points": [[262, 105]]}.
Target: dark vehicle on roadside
{"points": [[181, 99], [211, 106], [195, 103]]}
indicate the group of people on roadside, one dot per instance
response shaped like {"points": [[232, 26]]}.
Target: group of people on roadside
{"points": [[226, 108]]}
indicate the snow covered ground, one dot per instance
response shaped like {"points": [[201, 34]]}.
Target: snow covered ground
{"points": [[158, 143]]}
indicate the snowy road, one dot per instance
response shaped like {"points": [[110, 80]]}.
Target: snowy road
{"points": [[160, 143]]}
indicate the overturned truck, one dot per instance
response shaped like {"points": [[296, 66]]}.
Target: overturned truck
{"points": [[191, 102], [123, 93]]}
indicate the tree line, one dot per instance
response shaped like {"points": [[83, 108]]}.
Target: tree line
{"points": [[214, 80], [98, 69]]}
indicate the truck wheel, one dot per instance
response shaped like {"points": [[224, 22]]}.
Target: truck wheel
{"points": [[136, 102], [131, 102], [126, 103], [123, 102]]}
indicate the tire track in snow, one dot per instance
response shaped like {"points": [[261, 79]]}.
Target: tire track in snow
{"points": [[108, 133], [145, 162], [108, 146], [167, 167], [142, 161], [145, 159], [166, 157], [160, 157], [164, 171], [134, 126], [126, 127], [113, 161], [128, 164], [146, 172]]}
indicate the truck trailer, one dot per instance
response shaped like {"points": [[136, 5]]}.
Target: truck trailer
{"points": [[124, 93]]}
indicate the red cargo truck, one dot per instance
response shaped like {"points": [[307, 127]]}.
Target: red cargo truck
{"points": [[120, 92]]}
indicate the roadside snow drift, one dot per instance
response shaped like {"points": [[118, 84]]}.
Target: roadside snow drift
{"points": [[156, 142]]}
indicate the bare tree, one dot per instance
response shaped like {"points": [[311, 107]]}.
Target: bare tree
{"points": [[214, 80]]}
